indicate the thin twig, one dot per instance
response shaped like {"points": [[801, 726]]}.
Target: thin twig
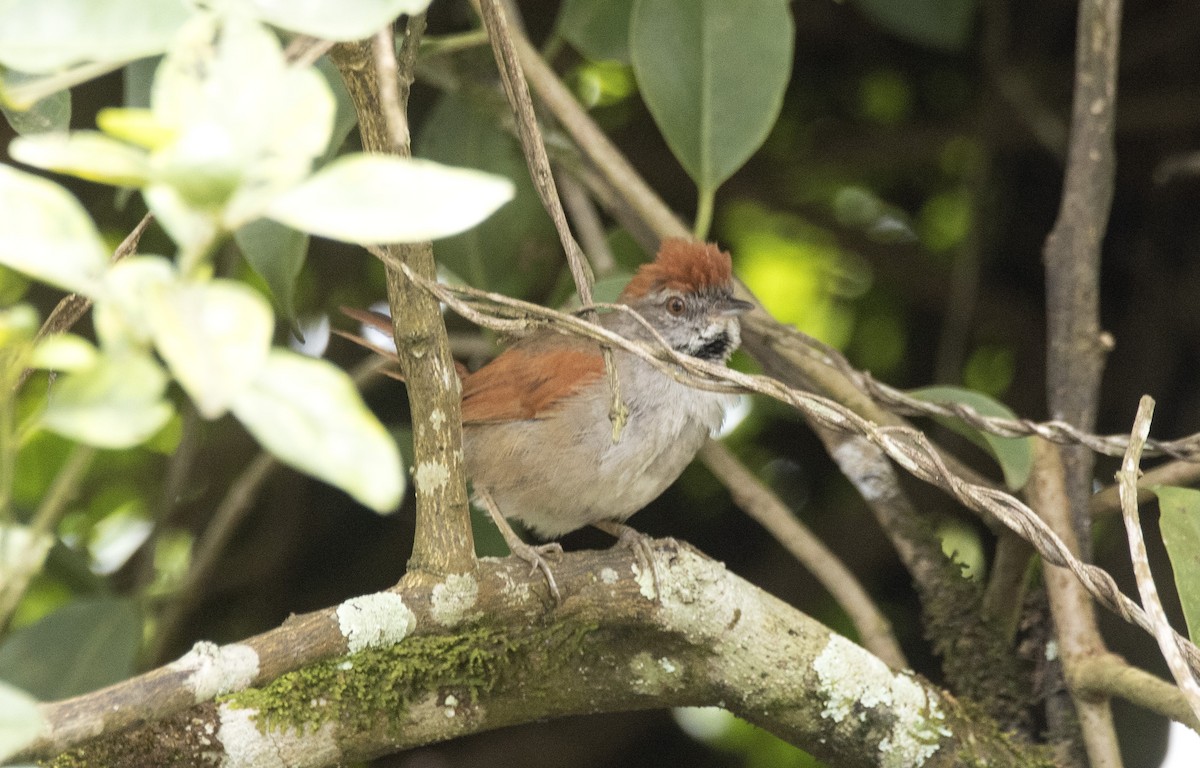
{"points": [[1163, 633], [1110, 675], [757, 501], [74, 306]]}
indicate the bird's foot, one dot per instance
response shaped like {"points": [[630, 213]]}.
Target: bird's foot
{"points": [[640, 544], [534, 555]]}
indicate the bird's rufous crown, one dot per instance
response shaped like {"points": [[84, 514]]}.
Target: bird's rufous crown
{"points": [[682, 265]]}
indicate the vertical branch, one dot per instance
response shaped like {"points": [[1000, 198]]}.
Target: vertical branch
{"points": [[443, 542], [1074, 613], [1076, 346]]}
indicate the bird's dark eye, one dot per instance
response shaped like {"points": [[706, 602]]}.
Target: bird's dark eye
{"points": [[675, 305]]}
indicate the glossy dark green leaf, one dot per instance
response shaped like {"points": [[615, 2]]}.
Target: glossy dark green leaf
{"points": [[458, 133], [1013, 454], [713, 74], [599, 29], [944, 24], [276, 252], [1179, 522], [83, 646]]}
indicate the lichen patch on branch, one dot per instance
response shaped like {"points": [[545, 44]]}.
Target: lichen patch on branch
{"points": [[373, 621], [213, 670]]}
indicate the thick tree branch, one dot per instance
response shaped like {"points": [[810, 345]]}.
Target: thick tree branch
{"points": [[443, 542], [1074, 615], [428, 661]]}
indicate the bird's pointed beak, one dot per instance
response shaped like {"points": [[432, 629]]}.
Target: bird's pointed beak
{"points": [[732, 306]]}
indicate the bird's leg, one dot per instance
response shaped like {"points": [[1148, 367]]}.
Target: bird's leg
{"points": [[638, 542], [535, 556]]}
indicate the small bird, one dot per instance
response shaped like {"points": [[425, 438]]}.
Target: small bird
{"points": [[537, 439]]}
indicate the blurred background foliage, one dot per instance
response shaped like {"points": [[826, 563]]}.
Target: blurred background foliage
{"points": [[897, 211]]}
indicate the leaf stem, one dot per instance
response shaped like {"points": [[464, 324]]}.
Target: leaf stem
{"points": [[704, 212]]}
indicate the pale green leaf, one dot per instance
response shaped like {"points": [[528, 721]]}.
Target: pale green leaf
{"points": [[87, 154], [276, 253], [117, 403], [375, 199], [599, 29], [48, 114], [240, 140], [20, 720], [1180, 525], [214, 337], [308, 414], [944, 24], [46, 233], [193, 229], [713, 74], [342, 20], [1013, 454], [41, 36], [120, 318], [79, 648], [64, 352]]}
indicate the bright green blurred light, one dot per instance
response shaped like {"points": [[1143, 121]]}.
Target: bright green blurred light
{"points": [[885, 97], [990, 369], [961, 543], [945, 220], [796, 270], [602, 83]]}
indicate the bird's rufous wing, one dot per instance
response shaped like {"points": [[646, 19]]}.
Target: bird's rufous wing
{"points": [[528, 382]]}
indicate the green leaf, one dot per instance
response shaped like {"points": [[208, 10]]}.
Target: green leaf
{"points": [[342, 21], [64, 352], [40, 36], [713, 74], [1180, 525], [20, 720], [308, 414], [368, 199], [457, 132], [599, 29], [1013, 454], [46, 233], [214, 337], [277, 254], [83, 646], [120, 318], [47, 114], [87, 154], [239, 140], [944, 24], [117, 403]]}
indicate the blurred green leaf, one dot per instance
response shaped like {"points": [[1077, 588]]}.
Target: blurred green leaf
{"points": [[87, 154], [944, 24], [86, 645], [1013, 454], [64, 352], [20, 720], [117, 403], [376, 199], [1180, 525], [343, 20], [46, 233], [277, 253], [308, 414], [214, 336], [47, 114], [458, 133], [713, 74], [599, 29], [40, 36]]}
